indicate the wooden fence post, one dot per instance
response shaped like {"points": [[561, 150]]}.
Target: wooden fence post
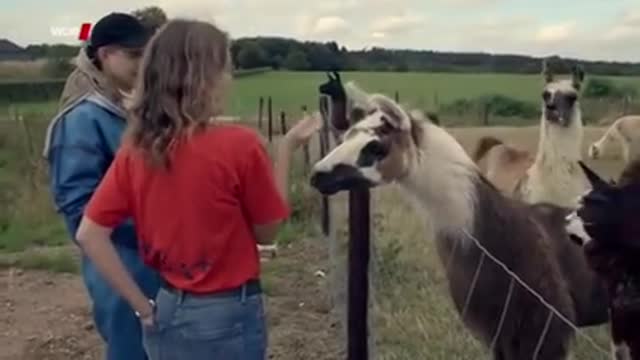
{"points": [[625, 105], [358, 257], [305, 147], [260, 112], [324, 149], [270, 118], [486, 111], [283, 122], [359, 252], [397, 96]]}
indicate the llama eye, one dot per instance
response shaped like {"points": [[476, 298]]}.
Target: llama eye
{"points": [[386, 127], [572, 98], [546, 95], [372, 152]]}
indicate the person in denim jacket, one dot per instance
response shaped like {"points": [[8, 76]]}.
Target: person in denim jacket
{"points": [[80, 144]]}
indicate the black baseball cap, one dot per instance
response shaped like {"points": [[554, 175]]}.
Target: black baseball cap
{"points": [[119, 29]]}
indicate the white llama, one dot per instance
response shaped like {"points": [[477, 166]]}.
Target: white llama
{"points": [[626, 132], [555, 176]]}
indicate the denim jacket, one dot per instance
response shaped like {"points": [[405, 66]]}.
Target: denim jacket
{"points": [[80, 144]]}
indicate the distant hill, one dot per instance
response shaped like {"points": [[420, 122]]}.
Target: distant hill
{"points": [[11, 51], [286, 53]]}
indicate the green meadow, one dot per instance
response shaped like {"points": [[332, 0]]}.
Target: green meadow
{"points": [[292, 90], [412, 314]]}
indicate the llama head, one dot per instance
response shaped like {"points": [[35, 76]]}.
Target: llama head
{"points": [[377, 149], [560, 97], [333, 87], [607, 214]]}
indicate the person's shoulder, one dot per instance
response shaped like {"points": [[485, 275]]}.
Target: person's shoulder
{"points": [[85, 111]]}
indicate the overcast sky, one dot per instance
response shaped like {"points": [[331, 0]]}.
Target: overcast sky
{"points": [[590, 29]]}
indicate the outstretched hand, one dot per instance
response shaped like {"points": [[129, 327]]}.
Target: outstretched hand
{"points": [[303, 130]]}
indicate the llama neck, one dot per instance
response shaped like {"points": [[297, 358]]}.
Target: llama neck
{"points": [[558, 143], [441, 182]]}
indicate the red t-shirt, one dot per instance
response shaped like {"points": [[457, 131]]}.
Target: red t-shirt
{"points": [[194, 221]]}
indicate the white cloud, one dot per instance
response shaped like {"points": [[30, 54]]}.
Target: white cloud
{"points": [[631, 18], [378, 35], [307, 26], [335, 6], [498, 27], [396, 24], [330, 25], [468, 3], [555, 33]]}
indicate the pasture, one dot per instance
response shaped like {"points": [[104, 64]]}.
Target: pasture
{"points": [[413, 317], [428, 91]]}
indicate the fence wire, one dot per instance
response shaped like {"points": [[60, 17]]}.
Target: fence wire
{"points": [[377, 266]]}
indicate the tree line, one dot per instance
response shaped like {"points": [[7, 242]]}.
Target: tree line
{"points": [[291, 54]]}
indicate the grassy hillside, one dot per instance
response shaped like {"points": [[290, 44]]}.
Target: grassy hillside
{"points": [[291, 90], [428, 90]]}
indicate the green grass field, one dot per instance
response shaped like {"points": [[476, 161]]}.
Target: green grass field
{"points": [[414, 317], [291, 90]]}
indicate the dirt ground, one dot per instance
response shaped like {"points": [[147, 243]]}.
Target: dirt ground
{"points": [[46, 316]]}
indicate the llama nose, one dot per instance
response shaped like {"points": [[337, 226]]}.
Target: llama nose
{"points": [[340, 177], [318, 178], [324, 182]]}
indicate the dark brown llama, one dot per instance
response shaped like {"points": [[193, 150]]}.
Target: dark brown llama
{"points": [[606, 225], [390, 145]]}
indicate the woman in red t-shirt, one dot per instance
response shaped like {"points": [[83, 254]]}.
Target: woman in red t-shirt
{"points": [[202, 194]]}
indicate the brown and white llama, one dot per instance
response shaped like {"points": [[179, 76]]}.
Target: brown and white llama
{"points": [[502, 164], [554, 176], [605, 225], [626, 132], [390, 145]]}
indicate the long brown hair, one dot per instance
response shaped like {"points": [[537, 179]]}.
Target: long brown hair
{"points": [[182, 83]]}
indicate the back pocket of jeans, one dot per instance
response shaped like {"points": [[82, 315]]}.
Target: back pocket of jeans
{"points": [[211, 323]]}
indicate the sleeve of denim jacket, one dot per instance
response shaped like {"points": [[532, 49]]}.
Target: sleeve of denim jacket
{"points": [[83, 146]]}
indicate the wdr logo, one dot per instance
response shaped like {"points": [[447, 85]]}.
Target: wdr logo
{"points": [[82, 32]]}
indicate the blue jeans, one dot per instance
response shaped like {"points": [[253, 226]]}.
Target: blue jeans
{"points": [[114, 318], [207, 327]]}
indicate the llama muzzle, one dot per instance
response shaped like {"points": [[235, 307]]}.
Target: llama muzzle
{"points": [[339, 178]]}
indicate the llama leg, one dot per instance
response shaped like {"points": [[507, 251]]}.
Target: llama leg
{"points": [[555, 345], [620, 351], [599, 148], [594, 150]]}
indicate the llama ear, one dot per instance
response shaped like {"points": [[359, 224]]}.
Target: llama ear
{"points": [[577, 76], [594, 179], [396, 116], [329, 76], [546, 72]]}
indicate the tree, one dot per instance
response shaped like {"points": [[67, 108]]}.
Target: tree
{"points": [[252, 55], [297, 60], [152, 17]]}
